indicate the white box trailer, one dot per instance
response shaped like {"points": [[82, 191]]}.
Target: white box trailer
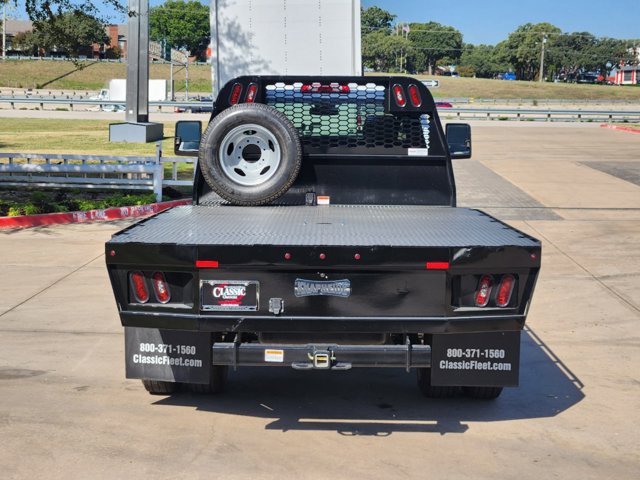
{"points": [[284, 37], [117, 91]]}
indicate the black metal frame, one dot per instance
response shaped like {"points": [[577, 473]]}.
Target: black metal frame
{"points": [[429, 179], [332, 357], [419, 310]]}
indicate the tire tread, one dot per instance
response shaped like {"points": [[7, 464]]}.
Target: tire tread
{"points": [[157, 387]]}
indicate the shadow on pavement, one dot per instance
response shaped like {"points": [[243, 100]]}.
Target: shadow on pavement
{"points": [[379, 402]]}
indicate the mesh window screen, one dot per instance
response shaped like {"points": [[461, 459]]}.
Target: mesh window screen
{"points": [[355, 118]]}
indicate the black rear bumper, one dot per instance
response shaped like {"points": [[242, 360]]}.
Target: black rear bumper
{"points": [[407, 325]]}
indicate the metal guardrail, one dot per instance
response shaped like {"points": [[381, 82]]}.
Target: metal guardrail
{"points": [[549, 115], [91, 171], [13, 100], [472, 113]]}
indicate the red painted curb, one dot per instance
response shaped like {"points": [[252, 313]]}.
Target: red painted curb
{"points": [[112, 213], [621, 128]]}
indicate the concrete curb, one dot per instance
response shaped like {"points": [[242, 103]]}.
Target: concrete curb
{"points": [[113, 213], [621, 128]]}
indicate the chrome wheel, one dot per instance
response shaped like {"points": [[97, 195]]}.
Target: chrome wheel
{"points": [[249, 155]]}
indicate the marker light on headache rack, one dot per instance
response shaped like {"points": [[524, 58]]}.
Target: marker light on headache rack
{"points": [[234, 98], [319, 88], [414, 96], [398, 95], [250, 96]]}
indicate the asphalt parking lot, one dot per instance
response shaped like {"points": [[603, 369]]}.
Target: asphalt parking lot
{"points": [[66, 410]]}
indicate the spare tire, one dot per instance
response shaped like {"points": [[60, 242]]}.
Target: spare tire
{"points": [[250, 154]]}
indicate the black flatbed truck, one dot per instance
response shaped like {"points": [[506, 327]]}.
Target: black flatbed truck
{"points": [[390, 273]]}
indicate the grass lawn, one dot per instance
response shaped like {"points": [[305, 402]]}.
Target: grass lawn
{"points": [[31, 135], [451, 87], [48, 74]]}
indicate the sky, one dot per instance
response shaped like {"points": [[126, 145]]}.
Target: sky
{"points": [[491, 21]]}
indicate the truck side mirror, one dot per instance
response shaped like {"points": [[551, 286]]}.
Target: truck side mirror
{"points": [[187, 137], [459, 140]]}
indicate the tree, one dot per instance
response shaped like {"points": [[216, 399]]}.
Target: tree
{"points": [[383, 52], [524, 46], [433, 42], [25, 42], [484, 60], [73, 33], [41, 10], [375, 18], [183, 24], [571, 52], [610, 51]]}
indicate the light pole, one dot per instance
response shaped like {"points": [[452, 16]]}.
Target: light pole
{"points": [[4, 29], [544, 40], [137, 127]]}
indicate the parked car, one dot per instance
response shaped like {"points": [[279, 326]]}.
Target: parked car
{"points": [[444, 105], [589, 78]]}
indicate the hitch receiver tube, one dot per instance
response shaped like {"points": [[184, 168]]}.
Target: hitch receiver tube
{"points": [[321, 356]]}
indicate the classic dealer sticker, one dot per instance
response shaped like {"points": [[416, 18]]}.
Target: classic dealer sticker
{"points": [[229, 295]]}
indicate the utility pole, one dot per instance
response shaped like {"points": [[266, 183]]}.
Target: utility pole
{"points": [[544, 40], [4, 29], [186, 83]]}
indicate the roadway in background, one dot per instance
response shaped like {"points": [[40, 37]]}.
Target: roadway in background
{"points": [[67, 411]]}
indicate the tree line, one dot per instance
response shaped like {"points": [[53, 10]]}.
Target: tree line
{"points": [[74, 27], [420, 47]]}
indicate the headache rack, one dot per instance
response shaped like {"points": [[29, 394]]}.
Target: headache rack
{"points": [[347, 115], [365, 140]]}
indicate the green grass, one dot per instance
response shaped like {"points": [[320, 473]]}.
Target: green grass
{"points": [[34, 135], [485, 88], [31, 135], [48, 74]]}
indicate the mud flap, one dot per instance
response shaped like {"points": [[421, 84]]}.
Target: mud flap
{"points": [[168, 355], [476, 359]]}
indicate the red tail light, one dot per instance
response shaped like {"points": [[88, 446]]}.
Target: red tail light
{"points": [[437, 265], [484, 291], [251, 93], [414, 96], [319, 88], [139, 284], [160, 287], [207, 263], [235, 94], [398, 94], [505, 290]]}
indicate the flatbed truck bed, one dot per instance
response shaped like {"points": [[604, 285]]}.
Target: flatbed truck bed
{"points": [[324, 234], [330, 226]]}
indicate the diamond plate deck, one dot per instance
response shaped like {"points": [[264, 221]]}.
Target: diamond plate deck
{"points": [[336, 225]]}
